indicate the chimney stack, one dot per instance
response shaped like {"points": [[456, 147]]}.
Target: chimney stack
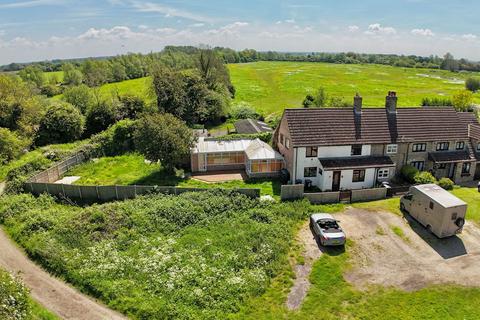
{"points": [[357, 104], [391, 102]]}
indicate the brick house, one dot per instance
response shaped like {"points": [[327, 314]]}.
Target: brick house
{"points": [[344, 149]]}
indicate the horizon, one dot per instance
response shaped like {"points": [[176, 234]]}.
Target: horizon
{"points": [[113, 27]]}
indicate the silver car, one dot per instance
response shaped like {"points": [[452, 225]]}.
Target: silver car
{"points": [[326, 228]]}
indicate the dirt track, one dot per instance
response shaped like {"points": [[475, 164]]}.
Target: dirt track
{"points": [[310, 253], [52, 293], [410, 262]]}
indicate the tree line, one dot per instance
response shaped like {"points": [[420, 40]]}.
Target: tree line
{"points": [[132, 66]]}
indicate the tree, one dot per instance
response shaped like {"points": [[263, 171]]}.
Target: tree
{"points": [[462, 100], [320, 98], [11, 145], [62, 123], [118, 72], [80, 96], [472, 84], [33, 74], [449, 63], [169, 89], [214, 71], [96, 72], [131, 106], [164, 138], [99, 117], [309, 101], [71, 75]]}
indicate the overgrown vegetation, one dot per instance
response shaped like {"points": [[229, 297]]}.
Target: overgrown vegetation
{"points": [[198, 255], [15, 302]]}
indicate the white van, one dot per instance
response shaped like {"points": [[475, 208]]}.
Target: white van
{"points": [[435, 208]]}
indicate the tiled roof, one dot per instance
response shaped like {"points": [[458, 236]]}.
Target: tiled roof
{"points": [[340, 126], [250, 126], [356, 162], [474, 131]]}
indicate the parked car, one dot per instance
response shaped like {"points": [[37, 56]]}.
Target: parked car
{"points": [[438, 210], [326, 228]]}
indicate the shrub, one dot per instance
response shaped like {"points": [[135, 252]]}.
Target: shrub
{"points": [[446, 183], [14, 300], [408, 172], [243, 111], [164, 138], [264, 136], [462, 100], [62, 123], [472, 84], [11, 145], [99, 118], [131, 106], [436, 102], [424, 177], [116, 140], [80, 96], [51, 90], [16, 177]]}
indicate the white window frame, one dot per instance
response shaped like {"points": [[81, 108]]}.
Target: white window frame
{"points": [[462, 143], [392, 148], [383, 173]]}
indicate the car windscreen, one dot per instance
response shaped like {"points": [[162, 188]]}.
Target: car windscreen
{"points": [[328, 226]]}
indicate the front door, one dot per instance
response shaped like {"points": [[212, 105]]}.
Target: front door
{"points": [[451, 170], [336, 180]]}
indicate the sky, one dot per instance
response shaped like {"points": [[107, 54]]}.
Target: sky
{"points": [[35, 30]]}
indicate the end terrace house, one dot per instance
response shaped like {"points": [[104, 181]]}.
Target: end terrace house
{"points": [[343, 149]]}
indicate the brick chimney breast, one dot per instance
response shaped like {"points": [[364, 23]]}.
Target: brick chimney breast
{"points": [[357, 104], [391, 102]]}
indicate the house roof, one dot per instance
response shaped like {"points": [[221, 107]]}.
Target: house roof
{"points": [[341, 126], [451, 156], [356, 162], [474, 131], [250, 126], [259, 150], [254, 149]]}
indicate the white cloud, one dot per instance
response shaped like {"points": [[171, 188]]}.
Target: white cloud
{"points": [[229, 29], [115, 33], [353, 28], [29, 4], [290, 21], [377, 28], [197, 25], [143, 27], [423, 32], [469, 36]]}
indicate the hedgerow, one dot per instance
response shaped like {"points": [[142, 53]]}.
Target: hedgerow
{"points": [[197, 255]]}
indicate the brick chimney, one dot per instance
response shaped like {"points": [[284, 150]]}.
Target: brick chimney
{"points": [[357, 104], [391, 102]]}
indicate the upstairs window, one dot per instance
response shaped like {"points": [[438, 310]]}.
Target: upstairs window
{"points": [[478, 146], [419, 147], [460, 145], [442, 146], [282, 139], [356, 150], [358, 176], [311, 152], [392, 148]]}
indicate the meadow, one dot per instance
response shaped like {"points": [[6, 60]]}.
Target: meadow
{"points": [[271, 87]]}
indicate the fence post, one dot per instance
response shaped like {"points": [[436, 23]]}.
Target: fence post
{"points": [[48, 175], [98, 195], [63, 189], [116, 192], [80, 192], [135, 190], [46, 187]]}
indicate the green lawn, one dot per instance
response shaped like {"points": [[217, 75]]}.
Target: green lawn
{"points": [[131, 169], [273, 86], [139, 87], [472, 197], [58, 75]]}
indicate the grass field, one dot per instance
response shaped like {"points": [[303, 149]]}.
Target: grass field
{"points": [[131, 169], [58, 75], [271, 87]]}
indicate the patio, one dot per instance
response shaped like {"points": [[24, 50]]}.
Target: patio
{"points": [[220, 176]]}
